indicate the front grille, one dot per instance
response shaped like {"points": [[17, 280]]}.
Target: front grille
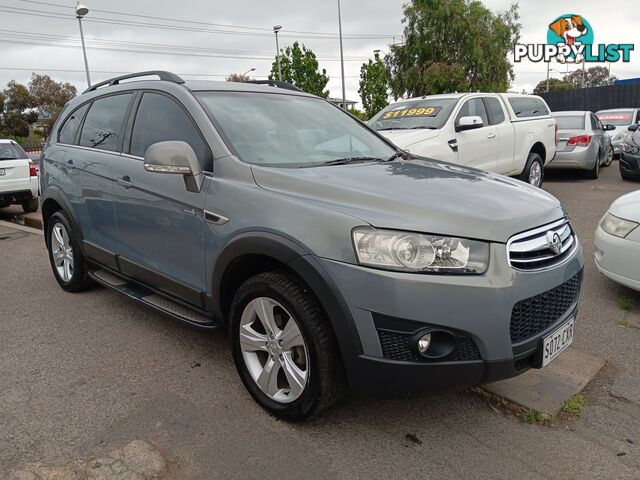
{"points": [[533, 315], [533, 250], [397, 346]]}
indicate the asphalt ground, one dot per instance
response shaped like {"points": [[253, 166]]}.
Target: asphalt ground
{"points": [[84, 374]]}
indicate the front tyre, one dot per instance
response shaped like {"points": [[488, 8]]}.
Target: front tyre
{"points": [[533, 172], [67, 261], [284, 348]]}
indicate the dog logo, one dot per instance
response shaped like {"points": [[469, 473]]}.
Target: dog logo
{"points": [[572, 31]]}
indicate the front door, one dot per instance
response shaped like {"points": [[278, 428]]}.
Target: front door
{"points": [[477, 148], [161, 227]]}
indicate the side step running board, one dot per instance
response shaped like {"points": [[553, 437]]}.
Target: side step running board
{"points": [[152, 299]]}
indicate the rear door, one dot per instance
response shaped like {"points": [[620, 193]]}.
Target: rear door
{"points": [[90, 167], [505, 161], [161, 229], [478, 147]]}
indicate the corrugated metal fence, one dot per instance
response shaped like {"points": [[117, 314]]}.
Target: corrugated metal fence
{"points": [[594, 98]]}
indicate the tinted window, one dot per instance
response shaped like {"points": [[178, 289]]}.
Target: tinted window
{"points": [[71, 124], [528, 107], [618, 118], [159, 119], [9, 151], [424, 113], [495, 107], [104, 124], [473, 107], [290, 130], [570, 122]]}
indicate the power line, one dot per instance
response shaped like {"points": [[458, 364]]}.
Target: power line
{"points": [[194, 22], [21, 35], [112, 21]]}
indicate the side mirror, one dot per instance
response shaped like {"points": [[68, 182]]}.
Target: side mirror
{"points": [[608, 127], [469, 123], [632, 128], [175, 157]]}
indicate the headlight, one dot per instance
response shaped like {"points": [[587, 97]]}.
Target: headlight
{"points": [[616, 226], [630, 149], [415, 252]]}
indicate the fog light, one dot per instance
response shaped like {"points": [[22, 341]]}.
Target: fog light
{"points": [[424, 342]]}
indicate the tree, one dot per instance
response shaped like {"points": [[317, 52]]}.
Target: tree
{"points": [[238, 77], [555, 84], [300, 68], [453, 45], [591, 77], [49, 97], [15, 115], [373, 86]]}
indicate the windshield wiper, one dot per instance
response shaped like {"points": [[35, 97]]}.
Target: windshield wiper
{"points": [[425, 126], [9, 158], [344, 161], [393, 128], [395, 156]]}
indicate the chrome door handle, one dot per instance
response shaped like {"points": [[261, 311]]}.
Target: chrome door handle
{"points": [[491, 135]]}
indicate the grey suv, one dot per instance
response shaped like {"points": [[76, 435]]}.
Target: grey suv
{"points": [[333, 258]]}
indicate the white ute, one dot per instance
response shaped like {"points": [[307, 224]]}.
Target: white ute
{"points": [[504, 133], [18, 177]]}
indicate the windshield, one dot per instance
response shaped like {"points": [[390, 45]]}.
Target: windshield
{"points": [[290, 130], [9, 151], [619, 119], [567, 122], [423, 113]]}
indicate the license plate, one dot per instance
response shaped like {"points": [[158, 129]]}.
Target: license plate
{"points": [[2, 172], [556, 342]]}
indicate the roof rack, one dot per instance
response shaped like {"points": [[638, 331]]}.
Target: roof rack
{"points": [[276, 83], [163, 75]]}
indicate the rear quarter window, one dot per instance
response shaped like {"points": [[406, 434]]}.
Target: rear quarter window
{"points": [[104, 125], [524, 107], [71, 124]]}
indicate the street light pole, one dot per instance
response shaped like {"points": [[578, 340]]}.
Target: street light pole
{"points": [[276, 29], [249, 71], [548, 71], [81, 11], [344, 95]]}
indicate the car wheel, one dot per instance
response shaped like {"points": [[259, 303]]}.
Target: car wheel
{"points": [[284, 348], [67, 261], [608, 158], [594, 173], [533, 172], [30, 205]]}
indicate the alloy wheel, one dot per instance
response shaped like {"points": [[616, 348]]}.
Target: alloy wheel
{"points": [[535, 174], [274, 350], [62, 252]]}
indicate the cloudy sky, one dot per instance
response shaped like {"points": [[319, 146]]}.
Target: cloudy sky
{"points": [[212, 38]]}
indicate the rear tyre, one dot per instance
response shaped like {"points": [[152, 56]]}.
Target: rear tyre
{"points": [[533, 172], [30, 206], [594, 173], [67, 261], [284, 348], [608, 157]]}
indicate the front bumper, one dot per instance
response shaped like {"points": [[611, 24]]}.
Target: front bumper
{"points": [[478, 308], [618, 259], [629, 165]]}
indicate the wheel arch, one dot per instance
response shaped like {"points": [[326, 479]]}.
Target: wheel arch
{"points": [[539, 148], [251, 253], [54, 202]]}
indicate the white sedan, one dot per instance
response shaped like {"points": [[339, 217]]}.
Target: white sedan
{"points": [[617, 241]]}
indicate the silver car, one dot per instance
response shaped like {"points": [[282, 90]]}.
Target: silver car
{"points": [[582, 143], [621, 119]]}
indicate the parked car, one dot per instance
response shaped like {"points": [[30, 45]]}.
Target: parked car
{"points": [[332, 257], [630, 157], [617, 241], [504, 133], [18, 177], [621, 118], [582, 143]]}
